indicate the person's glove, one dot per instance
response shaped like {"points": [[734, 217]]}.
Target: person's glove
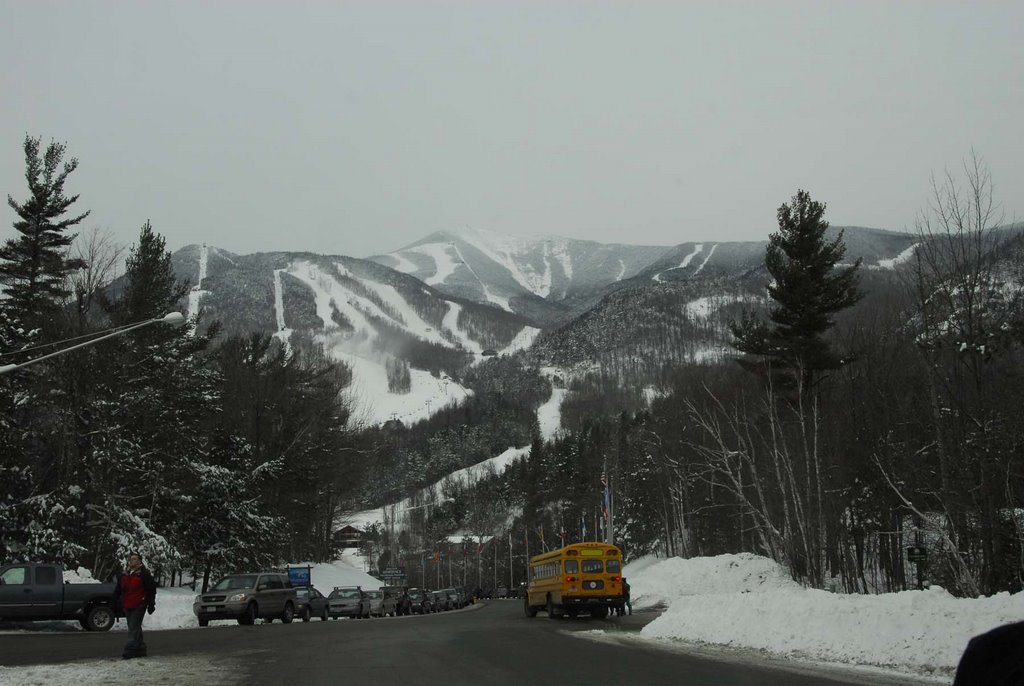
{"points": [[151, 609]]}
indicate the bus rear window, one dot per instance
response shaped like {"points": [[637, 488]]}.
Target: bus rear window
{"points": [[614, 567], [572, 567], [592, 566]]}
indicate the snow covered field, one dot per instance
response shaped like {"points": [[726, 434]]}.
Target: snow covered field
{"points": [[749, 602]]}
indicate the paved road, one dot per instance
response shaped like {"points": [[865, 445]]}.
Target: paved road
{"points": [[490, 643]]}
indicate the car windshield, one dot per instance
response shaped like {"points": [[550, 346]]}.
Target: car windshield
{"points": [[301, 592], [345, 593], [230, 583], [416, 594]]}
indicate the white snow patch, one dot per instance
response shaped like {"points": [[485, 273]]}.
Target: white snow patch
{"points": [[502, 250], [197, 291], [899, 259], [748, 601], [451, 323], [433, 493], [405, 266], [549, 415], [376, 404], [444, 265], [710, 253], [390, 295], [178, 669], [523, 340], [622, 270], [283, 334], [697, 248]]}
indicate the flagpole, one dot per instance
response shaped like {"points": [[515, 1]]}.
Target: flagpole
{"points": [[510, 578]]}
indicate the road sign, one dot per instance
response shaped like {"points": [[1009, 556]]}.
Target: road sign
{"points": [[917, 554], [392, 573], [300, 576]]}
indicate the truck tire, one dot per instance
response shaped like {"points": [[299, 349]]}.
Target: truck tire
{"points": [[99, 618]]}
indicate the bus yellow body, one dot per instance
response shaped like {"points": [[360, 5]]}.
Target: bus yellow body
{"points": [[582, 577]]}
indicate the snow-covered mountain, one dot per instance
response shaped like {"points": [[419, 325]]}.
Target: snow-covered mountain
{"points": [[552, 280], [401, 337]]}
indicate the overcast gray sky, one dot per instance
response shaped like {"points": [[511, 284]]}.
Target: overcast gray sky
{"points": [[358, 127]]}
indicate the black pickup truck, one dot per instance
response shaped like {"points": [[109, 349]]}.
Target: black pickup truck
{"points": [[33, 592]]}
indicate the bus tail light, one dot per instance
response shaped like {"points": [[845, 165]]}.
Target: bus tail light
{"points": [[615, 578], [570, 579]]}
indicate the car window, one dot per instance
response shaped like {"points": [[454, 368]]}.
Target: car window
{"points": [[302, 593], [230, 583], [46, 576], [15, 576], [273, 582], [373, 594]]}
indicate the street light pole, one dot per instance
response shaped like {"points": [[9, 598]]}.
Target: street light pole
{"points": [[174, 319]]}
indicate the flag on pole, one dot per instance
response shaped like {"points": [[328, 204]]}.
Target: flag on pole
{"points": [[562, 534], [583, 527]]}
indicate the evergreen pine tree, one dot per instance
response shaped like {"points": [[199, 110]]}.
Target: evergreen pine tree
{"points": [[34, 265], [808, 291]]}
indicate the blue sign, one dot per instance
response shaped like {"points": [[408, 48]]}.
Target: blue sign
{"points": [[300, 576]]}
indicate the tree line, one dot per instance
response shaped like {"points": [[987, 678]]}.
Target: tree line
{"points": [[206, 453]]}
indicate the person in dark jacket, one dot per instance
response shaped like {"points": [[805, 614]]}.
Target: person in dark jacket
{"points": [[995, 658], [136, 594]]}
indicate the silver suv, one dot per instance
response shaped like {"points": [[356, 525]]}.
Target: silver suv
{"points": [[245, 597], [348, 601]]}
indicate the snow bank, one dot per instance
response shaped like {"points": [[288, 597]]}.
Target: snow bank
{"points": [[747, 601], [184, 669]]}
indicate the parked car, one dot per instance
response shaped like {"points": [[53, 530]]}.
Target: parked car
{"points": [[245, 597], [440, 601], [32, 592], [414, 601], [376, 603], [348, 601], [463, 596], [392, 596], [309, 603]]}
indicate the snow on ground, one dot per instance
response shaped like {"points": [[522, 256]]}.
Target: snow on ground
{"points": [[283, 334], [899, 259], [710, 253], [373, 401], [404, 265], [197, 291], [747, 601], [444, 264], [550, 414], [178, 669], [432, 493], [685, 263], [622, 270], [523, 340], [501, 249], [451, 323], [376, 405]]}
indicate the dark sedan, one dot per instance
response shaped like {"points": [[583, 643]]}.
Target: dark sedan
{"points": [[310, 603]]}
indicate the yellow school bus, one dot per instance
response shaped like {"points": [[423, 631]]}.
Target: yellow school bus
{"points": [[582, 577]]}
